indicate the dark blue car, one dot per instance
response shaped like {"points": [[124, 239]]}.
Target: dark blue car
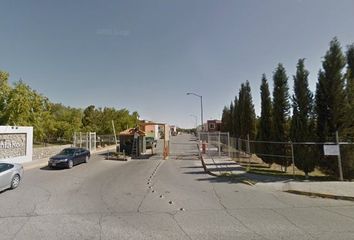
{"points": [[69, 157]]}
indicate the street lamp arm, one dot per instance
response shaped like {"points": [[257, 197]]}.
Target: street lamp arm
{"points": [[190, 93]]}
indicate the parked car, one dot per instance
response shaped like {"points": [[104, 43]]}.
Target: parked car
{"points": [[150, 142], [10, 175], [69, 157]]}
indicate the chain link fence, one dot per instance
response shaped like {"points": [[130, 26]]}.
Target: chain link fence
{"points": [[85, 140], [217, 143], [306, 154]]}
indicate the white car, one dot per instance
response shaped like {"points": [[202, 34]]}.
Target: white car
{"points": [[10, 175]]}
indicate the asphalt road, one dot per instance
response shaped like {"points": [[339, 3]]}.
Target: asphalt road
{"points": [[156, 199]]}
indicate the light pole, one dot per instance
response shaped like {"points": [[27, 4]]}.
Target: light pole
{"points": [[196, 121], [201, 107]]}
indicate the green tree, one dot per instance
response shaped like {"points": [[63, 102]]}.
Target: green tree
{"points": [[231, 123], [90, 119], [4, 94], [347, 150], [236, 121], [350, 91], [26, 107], [248, 115], [331, 99], [301, 127], [265, 122], [280, 114], [226, 119], [19, 106], [67, 121], [245, 112]]}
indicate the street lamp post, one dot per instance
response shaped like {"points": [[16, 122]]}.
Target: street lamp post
{"points": [[201, 107]]}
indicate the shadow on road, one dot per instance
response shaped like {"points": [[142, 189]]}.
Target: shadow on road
{"points": [[46, 168]]}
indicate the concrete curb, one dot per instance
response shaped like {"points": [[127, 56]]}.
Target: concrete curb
{"points": [[43, 162], [331, 190], [321, 195]]}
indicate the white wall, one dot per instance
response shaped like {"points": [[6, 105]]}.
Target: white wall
{"points": [[157, 135], [28, 132]]}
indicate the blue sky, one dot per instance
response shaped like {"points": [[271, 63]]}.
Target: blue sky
{"points": [[145, 55]]}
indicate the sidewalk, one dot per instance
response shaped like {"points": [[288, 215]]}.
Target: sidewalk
{"points": [[335, 189], [223, 166], [39, 163]]}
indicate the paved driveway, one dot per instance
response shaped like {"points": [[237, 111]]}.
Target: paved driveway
{"points": [[156, 199]]}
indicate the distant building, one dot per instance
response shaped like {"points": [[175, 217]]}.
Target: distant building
{"points": [[150, 130], [213, 125], [173, 130]]}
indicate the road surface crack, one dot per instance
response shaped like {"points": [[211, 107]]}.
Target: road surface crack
{"points": [[232, 216], [173, 216], [100, 225], [294, 224], [337, 213], [19, 230]]}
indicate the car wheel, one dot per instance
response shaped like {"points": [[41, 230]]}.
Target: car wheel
{"points": [[70, 164], [15, 181], [87, 159]]}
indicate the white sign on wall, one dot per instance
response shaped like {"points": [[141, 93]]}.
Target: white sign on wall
{"points": [[16, 144], [331, 150]]}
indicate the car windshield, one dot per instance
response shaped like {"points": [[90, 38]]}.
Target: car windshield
{"points": [[67, 151]]}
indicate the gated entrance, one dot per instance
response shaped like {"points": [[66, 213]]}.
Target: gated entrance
{"points": [[85, 140]]}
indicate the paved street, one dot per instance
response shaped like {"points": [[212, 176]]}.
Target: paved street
{"points": [[156, 199]]}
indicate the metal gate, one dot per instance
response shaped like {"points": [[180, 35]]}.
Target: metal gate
{"points": [[85, 140]]}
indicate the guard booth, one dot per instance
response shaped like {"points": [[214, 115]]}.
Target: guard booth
{"points": [[126, 141], [166, 138]]}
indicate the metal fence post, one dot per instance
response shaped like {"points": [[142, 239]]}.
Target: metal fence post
{"points": [[339, 159], [248, 150], [228, 144], [208, 141], [80, 140], [219, 145], [292, 157]]}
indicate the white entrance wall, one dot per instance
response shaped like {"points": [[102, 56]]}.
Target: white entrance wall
{"points": [[16, 144]]}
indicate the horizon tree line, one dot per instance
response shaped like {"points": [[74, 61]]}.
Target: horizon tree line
{"points": [[53, 122]]}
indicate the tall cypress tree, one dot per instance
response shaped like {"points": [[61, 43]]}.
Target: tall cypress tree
{"points": [[225, 120], [237, 118], [330, 93], [350, 90], [347, 151], [301, 128], [248, 116], [231, 128], [280, 114], [331, 98], [265, 122]]}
